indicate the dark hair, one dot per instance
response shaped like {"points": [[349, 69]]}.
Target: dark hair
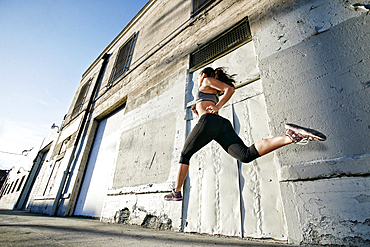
{"points": [[221, 75], [208, 71]]}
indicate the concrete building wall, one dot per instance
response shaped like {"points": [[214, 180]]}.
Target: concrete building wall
{"points": [[315, 73], [311, 64]]}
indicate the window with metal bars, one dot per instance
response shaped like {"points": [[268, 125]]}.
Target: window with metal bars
{"points": [[199, 5], [21, 182], [10, 188], [123, 59], [228, 41], [81, 99], [15, 185]]}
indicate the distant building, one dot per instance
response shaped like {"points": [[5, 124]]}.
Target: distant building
{"points": [[305, 62], [3, 175], [11, 189], [20, 178]]}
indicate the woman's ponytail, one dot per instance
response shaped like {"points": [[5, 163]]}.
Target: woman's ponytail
{"points": [[221, 75]]}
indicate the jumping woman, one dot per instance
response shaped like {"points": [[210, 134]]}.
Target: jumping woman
{"points": [[211, 126]]}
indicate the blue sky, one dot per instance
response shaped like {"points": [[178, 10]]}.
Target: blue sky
{"points": [[45, 47]]}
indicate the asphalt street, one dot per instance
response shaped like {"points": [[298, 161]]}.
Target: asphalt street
{"points": [[20, 228]]}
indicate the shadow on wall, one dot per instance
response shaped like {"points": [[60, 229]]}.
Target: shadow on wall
{"points": [[164, 20], [323, 82]]}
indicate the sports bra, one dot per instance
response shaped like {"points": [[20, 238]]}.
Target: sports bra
{"points": [[206, 97]]}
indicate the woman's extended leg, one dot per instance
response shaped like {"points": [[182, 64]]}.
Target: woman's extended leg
{"points": [[233, 144], [293, 134], [268, 145]]}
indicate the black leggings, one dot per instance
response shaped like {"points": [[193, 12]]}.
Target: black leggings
{"points": [[213, 127]]}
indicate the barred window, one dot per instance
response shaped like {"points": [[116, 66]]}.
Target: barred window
{"points": [[123, 59], [226, 42], [15, 185], [81, 99], [10, 188], [21, 182], [199, 5]]}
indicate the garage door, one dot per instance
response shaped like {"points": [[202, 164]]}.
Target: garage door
{"points": [[100, 166]]}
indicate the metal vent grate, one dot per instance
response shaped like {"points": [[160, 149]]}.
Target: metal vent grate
{"points": [[230, 40]]}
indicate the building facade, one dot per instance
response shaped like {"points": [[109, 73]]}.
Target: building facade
{"points": [[19, 180], [3, 175], [306, 62]]}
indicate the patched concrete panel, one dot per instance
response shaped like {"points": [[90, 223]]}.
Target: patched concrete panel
{"points": [[330, 211], [284, 25], [144, 160]]}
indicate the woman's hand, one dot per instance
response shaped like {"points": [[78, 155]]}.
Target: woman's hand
{"points": [[194, 109], [219, 86], [212, 109]]}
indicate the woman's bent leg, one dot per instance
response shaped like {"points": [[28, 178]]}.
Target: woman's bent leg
{"points": [[235, 146], [232, 144], [202, 133]]}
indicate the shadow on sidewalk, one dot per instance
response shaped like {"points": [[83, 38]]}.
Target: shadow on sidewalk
{"points": [[76, 228]]}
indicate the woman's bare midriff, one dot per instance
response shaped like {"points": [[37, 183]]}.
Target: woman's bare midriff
{"points": [[202, 106]]}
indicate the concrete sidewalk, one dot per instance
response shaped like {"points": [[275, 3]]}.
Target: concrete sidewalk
{"points": [[19, 228]]}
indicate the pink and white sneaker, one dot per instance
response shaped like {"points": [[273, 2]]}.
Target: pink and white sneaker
{"points": [[173, 196], [301, 135]]}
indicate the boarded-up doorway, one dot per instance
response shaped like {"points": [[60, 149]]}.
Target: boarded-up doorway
{"points": [[222, 195]]}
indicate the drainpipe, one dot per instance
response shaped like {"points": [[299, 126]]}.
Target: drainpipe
{"points": [[78, 137]]}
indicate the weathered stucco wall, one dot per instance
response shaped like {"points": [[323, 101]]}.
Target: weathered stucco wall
{"points": [[147, 162], [12, 187], [314, 62], [328, 211], [323, 80], [151, 93], [148, 148]]}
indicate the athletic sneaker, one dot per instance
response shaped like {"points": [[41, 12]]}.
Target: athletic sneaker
{"points": [[301, 135], [173, 196]]}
